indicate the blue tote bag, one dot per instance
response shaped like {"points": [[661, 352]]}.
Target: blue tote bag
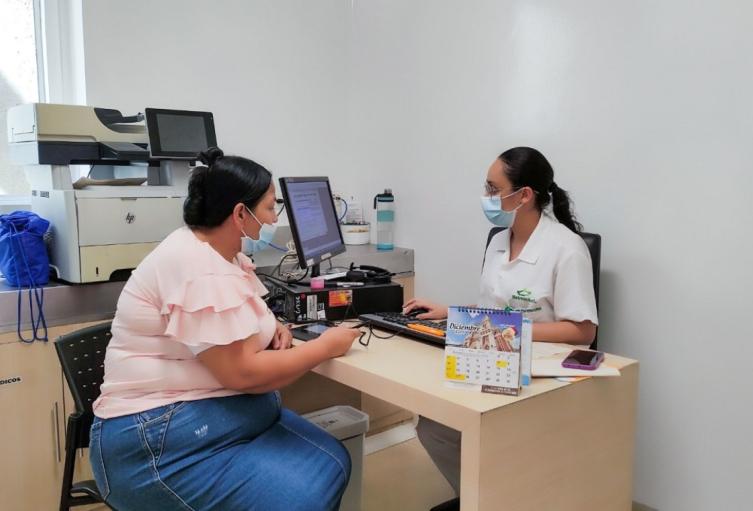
{"points": [[24, 262]]}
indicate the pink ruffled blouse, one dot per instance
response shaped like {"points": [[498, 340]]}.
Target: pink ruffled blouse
{"points": [[183, 298]]}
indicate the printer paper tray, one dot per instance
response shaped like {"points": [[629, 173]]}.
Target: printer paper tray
{"points": [[116, 221]]}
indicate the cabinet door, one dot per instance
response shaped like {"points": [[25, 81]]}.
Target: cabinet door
{"points": [[31, 443]]}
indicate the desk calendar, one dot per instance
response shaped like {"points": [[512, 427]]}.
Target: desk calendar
{"points": [[488, 347]]}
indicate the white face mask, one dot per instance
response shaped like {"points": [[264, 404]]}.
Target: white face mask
{"points": [[266, 235]]}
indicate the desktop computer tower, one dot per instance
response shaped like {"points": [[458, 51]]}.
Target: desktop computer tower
{"points": [[298, 303]]}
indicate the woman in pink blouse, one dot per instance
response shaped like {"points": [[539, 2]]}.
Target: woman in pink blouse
{"points": [[189, 417]]}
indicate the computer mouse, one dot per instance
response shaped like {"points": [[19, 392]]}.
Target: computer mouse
{"points": [[416, 312]]}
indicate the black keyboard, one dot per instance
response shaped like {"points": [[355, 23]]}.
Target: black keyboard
{"points": [[423, 329]]}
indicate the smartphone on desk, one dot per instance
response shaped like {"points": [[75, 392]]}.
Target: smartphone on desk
{"points": [[313, 330], [310, 331], [583, 359]]}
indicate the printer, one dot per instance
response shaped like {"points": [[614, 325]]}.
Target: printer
{"points": [[139, 167]]}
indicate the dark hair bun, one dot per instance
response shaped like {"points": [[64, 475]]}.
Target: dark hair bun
{"points": [[210, 156], [216, 187], [194, 207]]}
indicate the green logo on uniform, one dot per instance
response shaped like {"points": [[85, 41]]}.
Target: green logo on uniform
{"points": [[524, 300]]}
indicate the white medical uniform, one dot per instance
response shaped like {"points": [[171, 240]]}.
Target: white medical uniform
{"points": [[551, 280]]}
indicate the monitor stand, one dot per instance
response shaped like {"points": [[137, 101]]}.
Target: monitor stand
{"points": [[316, 271]]}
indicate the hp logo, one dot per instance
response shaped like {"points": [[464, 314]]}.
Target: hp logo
{"points": [[130, 218]]}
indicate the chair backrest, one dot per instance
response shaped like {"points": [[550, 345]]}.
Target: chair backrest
{"points": [[593, 242], [82, 356]]}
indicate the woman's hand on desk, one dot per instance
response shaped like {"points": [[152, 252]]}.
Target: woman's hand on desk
{"points": [[338, 340], [433, 310], [282, 339]]}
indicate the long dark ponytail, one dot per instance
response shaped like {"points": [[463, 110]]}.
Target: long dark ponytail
{"points": [[525, 166]]}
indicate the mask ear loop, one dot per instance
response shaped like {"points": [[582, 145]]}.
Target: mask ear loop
{"points": [[510, 195], [261, 226], [253, 216], [257, 221], [519, 189]]}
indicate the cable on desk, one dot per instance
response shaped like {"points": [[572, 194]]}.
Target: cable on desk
{"points": [[371, 332]]}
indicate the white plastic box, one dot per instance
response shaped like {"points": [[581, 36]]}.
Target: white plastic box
{"points": [[349, 426]]}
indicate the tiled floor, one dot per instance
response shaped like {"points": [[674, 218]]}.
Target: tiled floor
{"points": [[403, 478]]}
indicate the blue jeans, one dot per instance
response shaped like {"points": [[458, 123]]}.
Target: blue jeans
{"points": [[233, 453]]}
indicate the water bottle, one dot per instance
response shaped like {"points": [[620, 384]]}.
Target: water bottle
{"points": [[384, 203]]}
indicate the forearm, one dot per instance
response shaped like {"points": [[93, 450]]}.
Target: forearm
{"points": [[277, 380], [275, 384], [239, 367], [568, 332], [273, 369]]}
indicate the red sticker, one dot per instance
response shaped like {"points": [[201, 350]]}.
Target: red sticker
{"points": [[340, 298]]}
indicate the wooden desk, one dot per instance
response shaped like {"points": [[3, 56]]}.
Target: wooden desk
{"points": [[563, 446]]}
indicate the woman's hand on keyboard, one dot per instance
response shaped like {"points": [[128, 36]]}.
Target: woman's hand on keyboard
{"points": [[431, 310]]}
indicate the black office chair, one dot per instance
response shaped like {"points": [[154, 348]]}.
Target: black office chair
{"points": [[82, 356], [593, 242]]}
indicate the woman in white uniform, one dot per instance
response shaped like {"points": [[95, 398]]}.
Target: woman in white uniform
{"points": [[538, 265]]}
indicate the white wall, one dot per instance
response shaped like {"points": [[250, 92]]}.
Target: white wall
{"points": [[273, 73], [643, 108]]}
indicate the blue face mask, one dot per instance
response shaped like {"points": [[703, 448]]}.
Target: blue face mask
{"points": [[492, 207], [266, 235]]}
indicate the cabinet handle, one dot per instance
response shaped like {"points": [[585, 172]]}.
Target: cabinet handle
{"points": [[57, 431]]}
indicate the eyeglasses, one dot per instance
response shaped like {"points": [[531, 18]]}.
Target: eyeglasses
{"points": [[490, 190]]}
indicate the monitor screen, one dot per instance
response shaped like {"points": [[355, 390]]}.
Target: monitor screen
{"points": [[313, 218], [179, 133]]}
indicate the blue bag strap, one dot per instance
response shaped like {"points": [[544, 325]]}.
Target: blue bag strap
{"points": [[33, 288]]}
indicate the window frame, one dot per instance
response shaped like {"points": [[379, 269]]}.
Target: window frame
{"points": [[59, 41]]}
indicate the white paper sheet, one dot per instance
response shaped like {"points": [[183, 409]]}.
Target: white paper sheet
{"points": [[548, 357], [549, 349], [553, 367]]}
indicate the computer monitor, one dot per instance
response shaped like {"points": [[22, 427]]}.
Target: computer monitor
{"points": [[179, 133], [313, 220]]}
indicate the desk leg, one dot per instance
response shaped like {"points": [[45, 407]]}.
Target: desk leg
{"points": [[471, 460], [568, 449]]}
